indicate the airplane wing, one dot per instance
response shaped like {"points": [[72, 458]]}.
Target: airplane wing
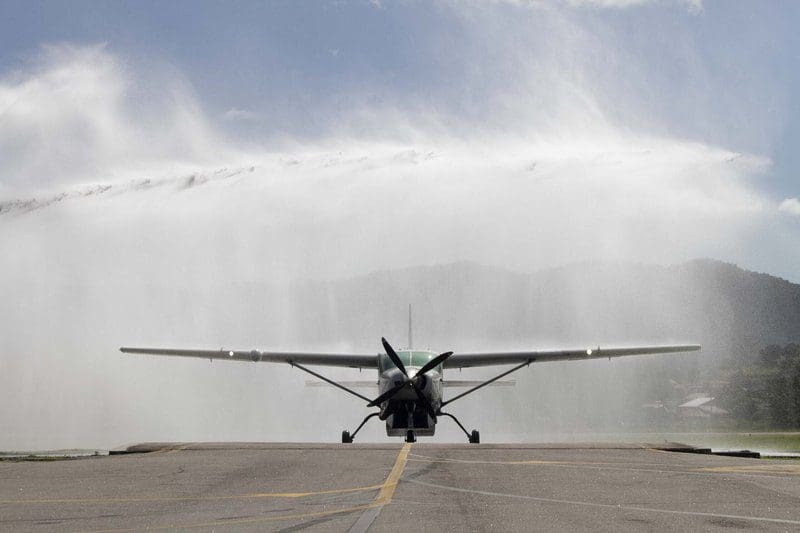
{"points": [[256, 356], [466, 360]]}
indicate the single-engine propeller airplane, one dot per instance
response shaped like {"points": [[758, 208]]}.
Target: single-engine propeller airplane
{"points": [[410, 381]]}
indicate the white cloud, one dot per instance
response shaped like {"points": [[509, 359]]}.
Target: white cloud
{"points": [[78, 113], [692, 5], [609, 3], [241, 114], [790, 206]]}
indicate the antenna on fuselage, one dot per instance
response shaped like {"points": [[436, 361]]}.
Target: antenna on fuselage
{"points": [[409, 327]]}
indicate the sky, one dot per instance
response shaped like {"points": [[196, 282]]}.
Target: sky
{"points": [[636, 104], [149, 149]]}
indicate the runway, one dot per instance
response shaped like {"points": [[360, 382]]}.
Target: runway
{"points": [[370, 487]]}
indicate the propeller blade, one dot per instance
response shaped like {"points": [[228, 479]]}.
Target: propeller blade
{"points": [[424, 400], [436, 361], [393, 356], [386, 395]]}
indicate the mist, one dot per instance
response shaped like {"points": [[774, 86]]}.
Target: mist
{"points": [[130, 216]]}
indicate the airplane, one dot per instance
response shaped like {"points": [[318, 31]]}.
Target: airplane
{"points": [[410, 381]]}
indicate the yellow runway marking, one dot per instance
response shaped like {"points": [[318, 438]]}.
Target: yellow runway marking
{"points": [[384, 497], [655, 450], [168, 449], [386, 493], [219, 523], [387, 489], [198, 498], [791, 469], [178, 449], [425, 459], [750, 470]]}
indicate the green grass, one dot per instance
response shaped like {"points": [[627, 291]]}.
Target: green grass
{"points": [[59, 455], [762, 441], [23, 458], [766, 442]]}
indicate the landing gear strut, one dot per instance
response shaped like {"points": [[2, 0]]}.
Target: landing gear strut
{"points": [[347, 438], [474, 437]]}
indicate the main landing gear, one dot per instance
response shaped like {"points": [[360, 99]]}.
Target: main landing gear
{"points": [[347, 438], [474, 437]]}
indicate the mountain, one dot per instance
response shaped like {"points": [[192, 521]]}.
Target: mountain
{"points": [[733, 312], [62, 369]]}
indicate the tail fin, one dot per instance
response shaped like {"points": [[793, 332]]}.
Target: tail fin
{"points": [[410, 345]]}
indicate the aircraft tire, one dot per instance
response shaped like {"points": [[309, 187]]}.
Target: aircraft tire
{"points": [[411, 436], [475, 437], [346, 437]]}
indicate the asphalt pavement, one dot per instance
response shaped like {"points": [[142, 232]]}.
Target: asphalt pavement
{"points": [[371, 487]]}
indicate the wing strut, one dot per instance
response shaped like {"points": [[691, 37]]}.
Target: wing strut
{"points": [[473, 389], [323, 378]]}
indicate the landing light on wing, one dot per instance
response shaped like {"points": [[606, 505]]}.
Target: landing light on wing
{"points": [[589, 351]]}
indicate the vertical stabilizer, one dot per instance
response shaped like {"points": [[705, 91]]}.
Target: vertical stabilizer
{"points": [[410, 345]]}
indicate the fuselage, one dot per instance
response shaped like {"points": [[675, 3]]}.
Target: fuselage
{"points": [[404, 411]]}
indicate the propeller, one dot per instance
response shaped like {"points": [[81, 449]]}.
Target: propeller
{"points": [[433, 363], [409, 381], [393, 356]]}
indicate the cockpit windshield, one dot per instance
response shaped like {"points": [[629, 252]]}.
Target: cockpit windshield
{"points": [[409, 359]]}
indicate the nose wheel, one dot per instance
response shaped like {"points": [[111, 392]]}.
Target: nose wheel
{"points": [[475, 437]]}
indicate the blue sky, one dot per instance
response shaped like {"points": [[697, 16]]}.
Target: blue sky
{"points": [[170, 84], [725, 73]]}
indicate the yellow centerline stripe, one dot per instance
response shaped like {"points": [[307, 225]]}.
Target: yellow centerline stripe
{"points": [[389, 486], [384, 497]]}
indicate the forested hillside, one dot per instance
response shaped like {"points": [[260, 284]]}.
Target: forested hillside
{"points": [[732, 312]]}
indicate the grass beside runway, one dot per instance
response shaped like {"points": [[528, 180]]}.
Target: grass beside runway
{"points": [[57, 455], [762, 442], [755, 441]]}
